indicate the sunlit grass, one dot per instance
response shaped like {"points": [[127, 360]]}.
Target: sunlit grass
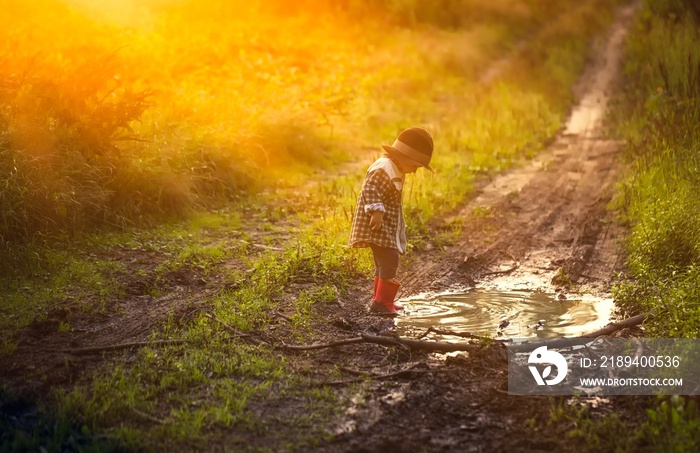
{"points": [[222, 100]]}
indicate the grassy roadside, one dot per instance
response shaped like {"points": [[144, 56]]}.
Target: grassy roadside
{"points": [[658, 115], [217, 387], [660, 119]]}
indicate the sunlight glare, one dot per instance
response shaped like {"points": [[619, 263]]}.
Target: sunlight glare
{"points": [[125, 13]]}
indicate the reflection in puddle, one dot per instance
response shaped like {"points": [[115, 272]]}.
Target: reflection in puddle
{"points": [[505, 313]]}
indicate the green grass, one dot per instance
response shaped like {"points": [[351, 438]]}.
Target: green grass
{"points": [[67, 280], [46, 431], [666, 424], [202, 390], [210, 390], [194, 390], [659, 116]]}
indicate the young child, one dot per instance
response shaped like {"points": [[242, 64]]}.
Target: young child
{"points": [[378, 222]]}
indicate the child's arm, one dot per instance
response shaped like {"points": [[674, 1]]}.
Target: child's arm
{"points": [[375, 189]]}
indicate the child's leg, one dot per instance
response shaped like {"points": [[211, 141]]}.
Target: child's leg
{"points": [[386, 261], [377, 264]]}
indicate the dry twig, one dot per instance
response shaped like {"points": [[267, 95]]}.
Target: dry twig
{"points": [[388, 341], [282, 315], [435, 346], [507, 271], [409, 369], [147, 416], [119, 347], [233, 330], [322, 345], [460, 334], [583, 339]]}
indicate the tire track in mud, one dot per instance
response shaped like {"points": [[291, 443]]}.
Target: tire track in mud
{"points": [[548, 217]]}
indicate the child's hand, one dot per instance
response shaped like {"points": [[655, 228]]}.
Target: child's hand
{"points": [[375, 222]]}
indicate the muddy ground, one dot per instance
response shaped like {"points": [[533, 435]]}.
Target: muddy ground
{"points": [[547, 226]]}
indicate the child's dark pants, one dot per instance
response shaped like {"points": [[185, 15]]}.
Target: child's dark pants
{"points": [[386, 261]]}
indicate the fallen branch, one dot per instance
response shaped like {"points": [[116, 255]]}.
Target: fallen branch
{"points": [[462, 335], [387, 341], [410, 369], [119, 347], [419, 344], [322, 345], [583, 339]]}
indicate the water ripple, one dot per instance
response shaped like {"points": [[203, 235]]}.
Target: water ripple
{"points": [[505, 314]]}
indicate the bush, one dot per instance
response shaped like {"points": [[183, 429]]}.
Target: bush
{"points": [[59, 129]]}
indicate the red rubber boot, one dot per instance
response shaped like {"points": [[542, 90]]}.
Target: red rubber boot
{"points": [[383, 303], [374, 295]]}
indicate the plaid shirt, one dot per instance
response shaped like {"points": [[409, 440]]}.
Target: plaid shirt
{"points": [[381, 191]]}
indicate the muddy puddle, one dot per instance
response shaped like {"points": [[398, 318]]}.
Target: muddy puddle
{"points": [[505, 314]]}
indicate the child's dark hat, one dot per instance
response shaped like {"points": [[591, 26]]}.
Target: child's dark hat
{"points": [[415, 145]]}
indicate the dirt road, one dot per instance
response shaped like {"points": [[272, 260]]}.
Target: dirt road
{"points": [[550, 214], [547, 227]]}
